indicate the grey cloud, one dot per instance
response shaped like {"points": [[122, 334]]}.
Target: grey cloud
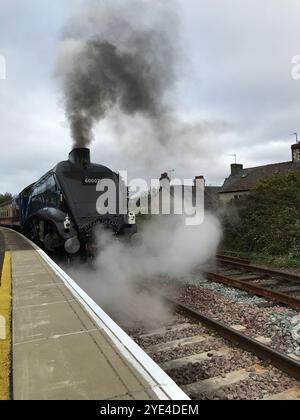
{"points": [[236, 69]]}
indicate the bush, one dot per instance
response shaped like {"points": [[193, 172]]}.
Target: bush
{"points": [[267, 221]]}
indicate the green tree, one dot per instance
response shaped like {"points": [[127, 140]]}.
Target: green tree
{"points": [[267, 222], [5, 197]]}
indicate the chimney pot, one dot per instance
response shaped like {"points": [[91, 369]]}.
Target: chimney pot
{"points": [[164, 176]]}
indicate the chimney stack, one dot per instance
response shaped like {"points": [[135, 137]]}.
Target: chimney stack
{"points": [[296, 152], [80, 157], [200, 177], [236, 168]]}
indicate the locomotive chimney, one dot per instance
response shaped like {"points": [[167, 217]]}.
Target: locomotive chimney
{"points": [[80, 157]]}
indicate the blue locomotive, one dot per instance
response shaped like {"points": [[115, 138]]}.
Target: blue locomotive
{"points": [[59, 210]]}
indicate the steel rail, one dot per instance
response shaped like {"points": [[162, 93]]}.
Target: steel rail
{"points": [[255, 289], [229, 258], [259, 269]]}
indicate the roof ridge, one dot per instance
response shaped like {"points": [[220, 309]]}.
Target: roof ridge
{"points": [[269, 164]]}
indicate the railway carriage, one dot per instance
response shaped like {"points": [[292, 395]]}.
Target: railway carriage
{"points": [[9, 213]]}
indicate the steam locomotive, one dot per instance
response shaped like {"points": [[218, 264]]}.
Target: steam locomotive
{"points": [[58, 212]]}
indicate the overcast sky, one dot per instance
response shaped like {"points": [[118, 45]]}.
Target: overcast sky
{"points": [[235, 71]]}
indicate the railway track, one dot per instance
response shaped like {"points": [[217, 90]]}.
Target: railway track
{"points": [[240, 273], [210, 360]]}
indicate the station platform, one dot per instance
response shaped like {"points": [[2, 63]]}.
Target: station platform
{"points": [[57, 344]]}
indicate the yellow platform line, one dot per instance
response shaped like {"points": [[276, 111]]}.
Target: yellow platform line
{"points": [[5, 328]]}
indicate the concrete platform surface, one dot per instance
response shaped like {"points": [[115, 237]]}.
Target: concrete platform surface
{"points": [[64, 346]]}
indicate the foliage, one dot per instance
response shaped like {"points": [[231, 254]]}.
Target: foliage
{"points": [[267, 222], [5, 197]]}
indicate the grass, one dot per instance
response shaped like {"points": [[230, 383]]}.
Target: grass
{"points": [[283, 261]]}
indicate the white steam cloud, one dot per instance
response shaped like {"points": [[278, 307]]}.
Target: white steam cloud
{"points": [[166, 247]]}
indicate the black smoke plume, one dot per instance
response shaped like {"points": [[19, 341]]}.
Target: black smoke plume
{"points": [[117, 55]]}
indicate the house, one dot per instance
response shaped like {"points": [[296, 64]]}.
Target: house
{"points": [[241, 179], [211, 198]]}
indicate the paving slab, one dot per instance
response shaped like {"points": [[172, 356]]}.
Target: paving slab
{"points": [[44, 294], [70, 367]]}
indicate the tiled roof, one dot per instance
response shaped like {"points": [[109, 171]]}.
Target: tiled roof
{"points": [[245, 179]]}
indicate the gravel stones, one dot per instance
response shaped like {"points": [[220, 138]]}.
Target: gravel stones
{"points": [[256, 387], [215, 366], [232, 307]]}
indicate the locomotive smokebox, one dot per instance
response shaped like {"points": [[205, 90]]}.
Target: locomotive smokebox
{"points": [[81, 157]]}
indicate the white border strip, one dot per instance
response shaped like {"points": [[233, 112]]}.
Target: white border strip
{"points": [[160, 382]]}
